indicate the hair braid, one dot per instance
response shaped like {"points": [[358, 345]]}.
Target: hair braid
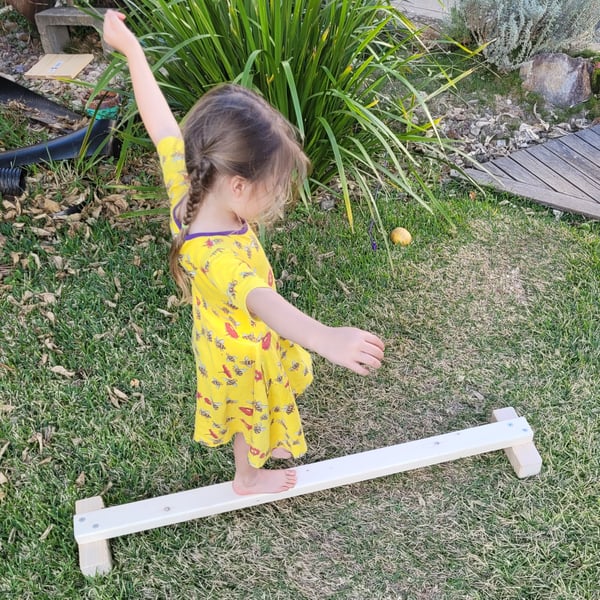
{"points": [[200, 180]]}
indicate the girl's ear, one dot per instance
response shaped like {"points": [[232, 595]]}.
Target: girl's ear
{"points": [[238, 186]]}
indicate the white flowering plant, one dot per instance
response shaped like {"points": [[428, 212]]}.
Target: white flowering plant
{"points": [[513, 31]]}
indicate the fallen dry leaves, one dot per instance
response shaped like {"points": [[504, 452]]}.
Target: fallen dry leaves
{"points": [[40, 301], [46, 532], [116, 396], [62, 371], [58, 198]]}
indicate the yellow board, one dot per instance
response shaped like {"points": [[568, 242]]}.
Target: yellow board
{"points": [[53, 66]]}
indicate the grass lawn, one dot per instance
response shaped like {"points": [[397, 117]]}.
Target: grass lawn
{"points": [[96, 397]]}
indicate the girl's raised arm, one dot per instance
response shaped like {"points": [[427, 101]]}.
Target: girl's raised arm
{"points": [[154, 110], [355, 349]]}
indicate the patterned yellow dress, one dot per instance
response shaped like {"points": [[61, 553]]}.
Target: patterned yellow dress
{"points": [[248, 376]]}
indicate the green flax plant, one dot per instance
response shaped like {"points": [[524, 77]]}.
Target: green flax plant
{"points": [[340, 71]]}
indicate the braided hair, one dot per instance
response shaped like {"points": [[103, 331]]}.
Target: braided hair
{"points": [[233, 131]]}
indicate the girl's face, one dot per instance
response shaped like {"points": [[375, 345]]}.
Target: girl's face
{"points": [[255, 201]]}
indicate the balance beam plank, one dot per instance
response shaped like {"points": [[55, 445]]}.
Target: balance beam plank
{"points": [[174, 508]]}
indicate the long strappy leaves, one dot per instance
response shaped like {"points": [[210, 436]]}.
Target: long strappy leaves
{"points": [[339, 70]]}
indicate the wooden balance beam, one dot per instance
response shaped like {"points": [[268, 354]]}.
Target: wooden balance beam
{"points": [[94, 525]]}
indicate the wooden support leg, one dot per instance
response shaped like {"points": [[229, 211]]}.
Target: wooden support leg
{"points": [[94, 557], [524, 458]]}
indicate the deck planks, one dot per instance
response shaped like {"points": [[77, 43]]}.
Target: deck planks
{"points": [[561, 164], [563, 173], [580, 146], [577, 160]]}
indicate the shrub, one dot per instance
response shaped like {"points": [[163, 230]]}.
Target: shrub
{"points": [[515, 30], [339, 70]]}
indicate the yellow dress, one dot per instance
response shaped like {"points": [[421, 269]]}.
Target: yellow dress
{"points": [[248, 376]]}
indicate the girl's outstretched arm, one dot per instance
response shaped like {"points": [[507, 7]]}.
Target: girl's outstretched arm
{"points": [[355, 349], [154, 110]]}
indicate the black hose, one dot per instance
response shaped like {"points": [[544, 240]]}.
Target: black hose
{"points": [[12, 181], [97, 138], [10, 90]]}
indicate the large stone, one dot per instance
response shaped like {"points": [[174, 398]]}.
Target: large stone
{"points": [[561, 80]]}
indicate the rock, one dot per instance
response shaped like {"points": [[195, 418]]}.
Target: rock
{"points": [[561, 80]]}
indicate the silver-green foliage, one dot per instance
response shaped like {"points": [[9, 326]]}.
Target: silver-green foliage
{"points": [[328, 66], [515, 30]]}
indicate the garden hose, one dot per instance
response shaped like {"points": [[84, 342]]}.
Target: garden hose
{"points": [[12, 181]]}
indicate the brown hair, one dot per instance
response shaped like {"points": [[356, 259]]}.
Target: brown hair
{"points": [[233, 131]]}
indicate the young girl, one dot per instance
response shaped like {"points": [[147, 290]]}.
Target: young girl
{"points": [[237, 162]]}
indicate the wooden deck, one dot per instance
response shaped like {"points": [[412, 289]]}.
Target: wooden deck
{"points": [[563, 173]]}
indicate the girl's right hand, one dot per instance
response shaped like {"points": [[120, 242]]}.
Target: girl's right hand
{"points": [[116, 34], [355, 349]]}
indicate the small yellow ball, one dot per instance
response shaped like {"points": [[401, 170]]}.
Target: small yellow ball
{"points": [[401, 236]]}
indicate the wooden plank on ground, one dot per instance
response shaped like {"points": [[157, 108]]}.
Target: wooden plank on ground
{"points": [[589, 187], [94, 558], [216, 499], [554, 180], [590, 135], [582, 147], [516, 171], [563, 202], [574, 158], [524, 458], [493, 168]]}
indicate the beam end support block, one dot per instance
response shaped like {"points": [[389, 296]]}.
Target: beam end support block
{"points": [[524, 458], [94, 557]]}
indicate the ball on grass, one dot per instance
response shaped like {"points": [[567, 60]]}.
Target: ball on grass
{"points": [[401, 236]]}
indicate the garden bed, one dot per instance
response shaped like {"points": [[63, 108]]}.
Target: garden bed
{"points": [[484, 123]]}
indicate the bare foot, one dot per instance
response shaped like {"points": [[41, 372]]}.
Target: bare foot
{"points": [[281, 453], [265, 481]]}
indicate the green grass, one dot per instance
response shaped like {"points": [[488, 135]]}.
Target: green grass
{"points": [[504, 312], [16, 130]]}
